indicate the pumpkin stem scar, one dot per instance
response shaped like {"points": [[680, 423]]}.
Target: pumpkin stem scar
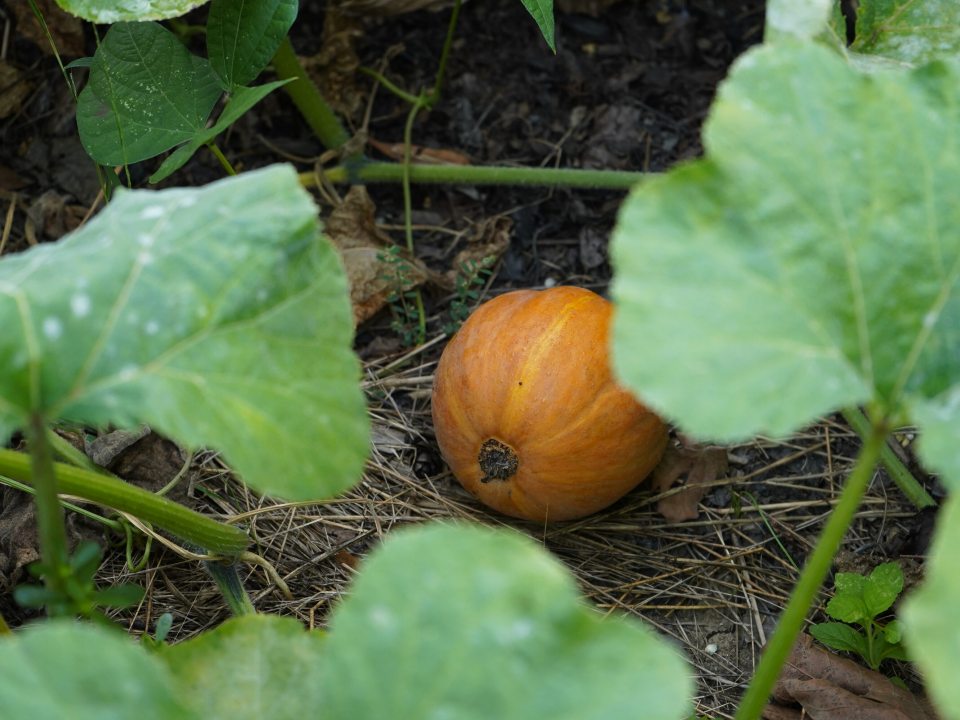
{"points": [[497, 461]]}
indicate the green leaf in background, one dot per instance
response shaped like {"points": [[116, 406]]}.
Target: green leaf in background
{"points": [[882, 588], [908, 31], [62, 669], [839, 636], [241, 100], [218, 316], [542, 12], [929, 615], [939, 417], [251, 667], [242, 36], [146, 94], [113, 11], [463, 622], [809, 263]]}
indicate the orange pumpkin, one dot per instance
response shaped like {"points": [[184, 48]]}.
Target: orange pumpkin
{"points": [[527, 413]]}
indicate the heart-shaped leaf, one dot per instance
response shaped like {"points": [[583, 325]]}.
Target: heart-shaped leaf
{"points": [[464, 622], [809, 263], [63, 669], [277, 659], [218, 316], [114, 11], [146, 94]]}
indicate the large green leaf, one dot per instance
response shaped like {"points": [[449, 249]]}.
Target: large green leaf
{"points": [[60, 669], [218, 316], [146, 94], [242, 36], [463, 622], [114, 11], [256, 666], [931, 630], [810, 262], [909, 31]]}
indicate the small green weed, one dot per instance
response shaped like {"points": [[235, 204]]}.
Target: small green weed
{"points": [[470, 279], [860, 600]]}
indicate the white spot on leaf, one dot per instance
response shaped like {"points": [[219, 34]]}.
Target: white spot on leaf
{"points": [[80, 305], [52, 328]]}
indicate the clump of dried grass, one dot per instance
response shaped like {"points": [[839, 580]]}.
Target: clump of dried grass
{"points": [[714, 585]]}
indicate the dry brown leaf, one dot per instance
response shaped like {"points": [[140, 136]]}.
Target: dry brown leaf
{"points": [[700, 465], [419, 154], [14, 89], [66, 30], [827, 686], [364, 248], [334, 68], [53, 217]]}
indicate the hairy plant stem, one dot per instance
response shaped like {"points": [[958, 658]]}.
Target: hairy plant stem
{"points": [[305, 95], [899, 473], [119, 495], [50, 527], [377, 172], [811, 578]]}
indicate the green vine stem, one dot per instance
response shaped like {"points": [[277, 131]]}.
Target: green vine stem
{"points": [[305, 95], [228, 581], [114, 525], [114, 493], [53, 535], [899, 473], [221, 158], [376, 172], [812, 577]]}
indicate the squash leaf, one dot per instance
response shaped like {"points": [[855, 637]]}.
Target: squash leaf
{"points": [[929, 615], [277, 658], [218, 316], [809, 262], [908, 31], [464, 622], [114, 11], [803, 20], [64, 669]]}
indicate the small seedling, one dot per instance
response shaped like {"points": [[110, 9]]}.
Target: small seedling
{"points": [[398, 274], [860, 600], [470, 279]]}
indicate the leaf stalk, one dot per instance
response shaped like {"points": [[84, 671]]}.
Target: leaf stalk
{"points": [[811, 578]]}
